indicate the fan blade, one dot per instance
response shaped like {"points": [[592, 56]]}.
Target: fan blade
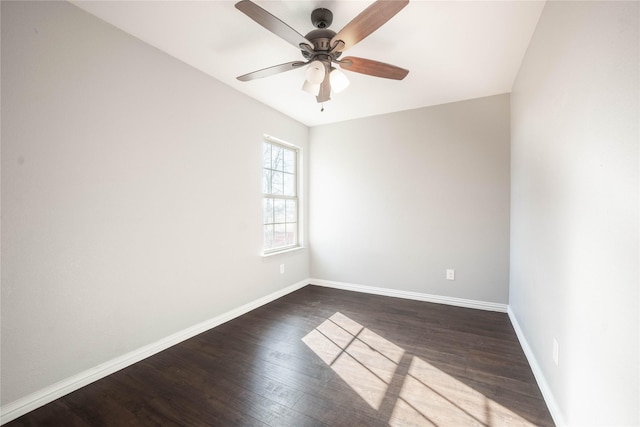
{"points": [[270, 71], [271, 23], [325, 88], [369, 20], [373, 68]]}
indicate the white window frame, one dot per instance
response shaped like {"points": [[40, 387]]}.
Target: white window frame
{"points": [[296, 197]]}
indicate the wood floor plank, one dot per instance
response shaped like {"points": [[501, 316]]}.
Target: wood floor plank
{"points": [[323, 357], [55, 414]]}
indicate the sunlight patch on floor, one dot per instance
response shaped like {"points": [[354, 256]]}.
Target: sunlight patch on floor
{"points": [[362, 358], [435, 396], [427, 396]]}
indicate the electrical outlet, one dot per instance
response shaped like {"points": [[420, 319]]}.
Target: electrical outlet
{"points": [[281, 268], [451, 274], [556, 350]]}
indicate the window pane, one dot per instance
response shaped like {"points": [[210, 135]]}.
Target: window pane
{"points": [[279, 235], [279, 210], [266, 155], [277, 160], [266, 181], [289, 184], [289, 161], [291, 233], [279, 179], [277, 183], [292, 211], [268, 236], [268, 211]]}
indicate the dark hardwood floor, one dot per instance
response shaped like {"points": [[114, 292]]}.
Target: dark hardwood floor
{"points": [[323, 357]]}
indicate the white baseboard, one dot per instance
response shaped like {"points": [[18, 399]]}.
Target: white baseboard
{"points": [[458, 302], [549, 399], [48, 394]]}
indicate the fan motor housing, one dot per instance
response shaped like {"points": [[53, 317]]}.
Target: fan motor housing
{"points": [[321, 39]]}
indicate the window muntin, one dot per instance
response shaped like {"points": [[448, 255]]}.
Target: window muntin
{"points": [[280, 196]]}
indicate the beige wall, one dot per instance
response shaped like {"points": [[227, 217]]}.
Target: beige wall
{"points": [[131, 196], [574, 212], [397, 199]]}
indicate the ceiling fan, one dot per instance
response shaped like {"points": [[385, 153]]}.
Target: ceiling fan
{"points": [[322, 47]]}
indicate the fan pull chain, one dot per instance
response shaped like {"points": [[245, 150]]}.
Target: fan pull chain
{"points": [[322, 109]]}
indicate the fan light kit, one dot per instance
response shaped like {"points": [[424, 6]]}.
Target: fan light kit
{"points": [[323, 47]]}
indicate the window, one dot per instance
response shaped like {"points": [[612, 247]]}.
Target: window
{"points": [[280, 196]]}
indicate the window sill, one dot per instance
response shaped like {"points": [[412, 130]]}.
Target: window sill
{"points": [[284, 251]]}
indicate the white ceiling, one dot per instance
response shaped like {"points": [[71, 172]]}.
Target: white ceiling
{"points": [[455, 50]]}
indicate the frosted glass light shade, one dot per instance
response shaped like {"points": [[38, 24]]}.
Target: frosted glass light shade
{"points": [[315, 72], [312, 88], [339, 81]]}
